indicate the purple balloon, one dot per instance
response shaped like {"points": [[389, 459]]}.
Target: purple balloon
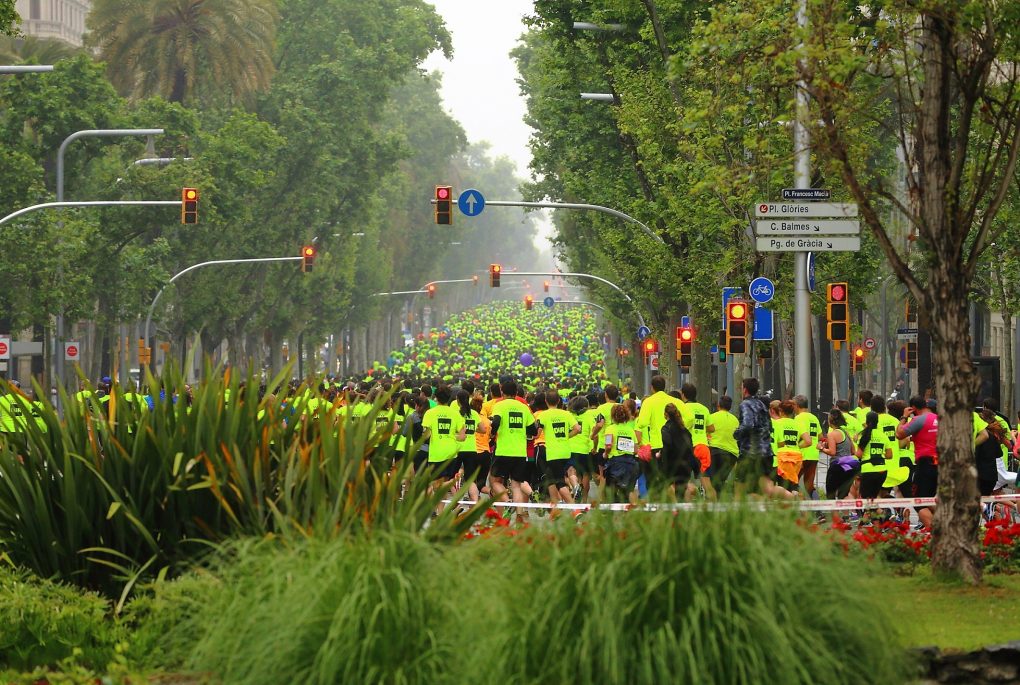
{"points": [[526, 359]]}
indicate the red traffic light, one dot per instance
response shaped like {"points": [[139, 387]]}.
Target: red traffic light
{"points": [[189, 205], [684, 334], [444, 205], [837, 292], [307, 258], [649, 346], [431, 288], [737, 311], [859, 353]]}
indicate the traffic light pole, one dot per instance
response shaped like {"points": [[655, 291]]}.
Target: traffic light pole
{"points": [[584, 207], [802, 301], [193, 267], [89, 203], [565, 274]]}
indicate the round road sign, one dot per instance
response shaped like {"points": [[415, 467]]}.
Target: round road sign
{"points": [[762, 290], [549, 302], [869, 343], [3, 348], [71, 351], [643, 332]]}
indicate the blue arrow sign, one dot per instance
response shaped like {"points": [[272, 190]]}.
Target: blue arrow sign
{"points": [[548, 302], [762, 290], [643, 332], [685, 321], [763, 324], [471, 202]]}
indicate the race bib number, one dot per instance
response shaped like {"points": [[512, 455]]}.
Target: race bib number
{"points": [[625, 444]]}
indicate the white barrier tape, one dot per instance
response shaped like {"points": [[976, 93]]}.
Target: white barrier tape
{"points": [[756, 505]]}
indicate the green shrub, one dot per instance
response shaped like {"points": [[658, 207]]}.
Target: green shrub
{"points": [[163, 619], [365, 610], [42, 623], [703, 597], [738, 597], [105, 500]]}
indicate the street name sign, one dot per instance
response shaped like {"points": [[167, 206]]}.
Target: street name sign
{"points": [[804, 210], [807, 226], [806, 194], [843, 243], [906, 334]]}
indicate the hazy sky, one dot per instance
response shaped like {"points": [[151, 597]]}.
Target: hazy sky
{"points": [[479, 84]]}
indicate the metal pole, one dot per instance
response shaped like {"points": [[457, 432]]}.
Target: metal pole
{"points": [[152, 307], [26, 69], [885, 334], [566, 274], [573, 205], [89, 203], [802, 179], [844, 373], [58, 358], [608, 28]]}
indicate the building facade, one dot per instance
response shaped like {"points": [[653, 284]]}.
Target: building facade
{"points": [[59, 19]]}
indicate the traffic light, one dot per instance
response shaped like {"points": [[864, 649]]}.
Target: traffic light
{"points": [[858, 358], [648, 348], [837, 313], [307, 258], [444, 205], [529, 302], [684, 345], [721, 345], [474, 280], [494, 272], [189, 206], [911, 312], [545, 286], [736, 327], [911, 355], [431, 289]]}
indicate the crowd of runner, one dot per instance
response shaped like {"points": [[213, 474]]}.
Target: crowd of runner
{"points": [[519, 408]]}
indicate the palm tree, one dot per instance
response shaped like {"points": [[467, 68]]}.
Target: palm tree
{"points": [[185, 49], [32, 50]]}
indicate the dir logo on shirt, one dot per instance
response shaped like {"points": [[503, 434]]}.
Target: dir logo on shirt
{"points": [[445, 426], [516, 419]]}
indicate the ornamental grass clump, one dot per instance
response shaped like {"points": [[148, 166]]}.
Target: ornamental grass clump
{"points": [[110, 495], [375, 608], [720, 597]]}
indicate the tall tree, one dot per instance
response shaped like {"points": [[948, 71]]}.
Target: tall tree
{"points": [[184, 49], [8, 18], [940, 81]]}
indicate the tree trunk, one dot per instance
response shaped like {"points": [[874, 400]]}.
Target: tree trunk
{"points": [[955, 546]]}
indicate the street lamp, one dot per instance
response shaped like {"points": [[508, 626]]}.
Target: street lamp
{"points": [[58, 356]]}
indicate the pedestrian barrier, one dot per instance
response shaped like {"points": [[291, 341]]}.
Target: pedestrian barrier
{"points": [[753, 505]]}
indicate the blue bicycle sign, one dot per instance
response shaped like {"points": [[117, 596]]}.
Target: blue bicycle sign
{"points": [[762, 290]]}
